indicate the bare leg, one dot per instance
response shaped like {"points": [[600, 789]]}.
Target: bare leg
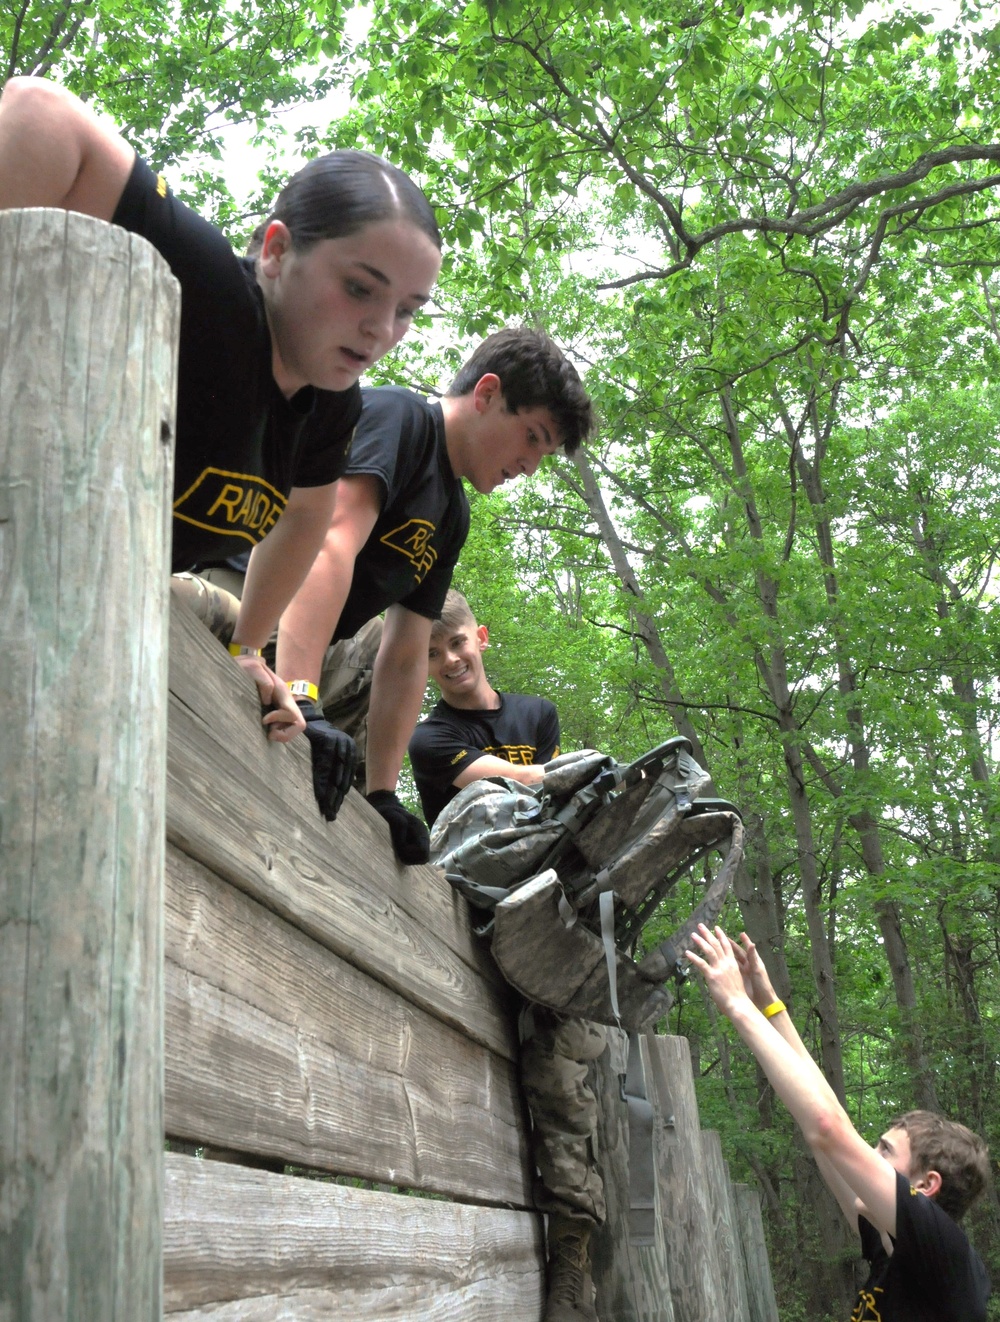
{"points": [[55, 152]]}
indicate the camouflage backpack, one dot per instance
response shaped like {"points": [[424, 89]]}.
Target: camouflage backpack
{"points": [[567, 872]]}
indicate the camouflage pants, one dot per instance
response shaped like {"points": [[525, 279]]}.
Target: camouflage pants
{"points": [[346, 680], [555, 1052]]}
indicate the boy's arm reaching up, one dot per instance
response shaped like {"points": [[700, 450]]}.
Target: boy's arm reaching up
{"points": [[801, 1085], [758, 986]]}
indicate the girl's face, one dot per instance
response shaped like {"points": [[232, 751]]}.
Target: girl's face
{"points": [[337, 307]]}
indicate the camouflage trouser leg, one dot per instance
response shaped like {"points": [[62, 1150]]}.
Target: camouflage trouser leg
{"points": [[346, 682], [554, 1056], [214, 596], [345, 687]]}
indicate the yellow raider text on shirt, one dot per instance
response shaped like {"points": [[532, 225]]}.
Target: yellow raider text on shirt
{"points": [[233, 504]]}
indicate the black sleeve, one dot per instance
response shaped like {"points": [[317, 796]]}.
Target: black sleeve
{"points": [[439, 752], [217, 312], [871, 1240], [427, 598], [389, 441]]}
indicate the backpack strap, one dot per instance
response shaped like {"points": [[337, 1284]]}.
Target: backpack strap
{"points": [[641, 1173]]}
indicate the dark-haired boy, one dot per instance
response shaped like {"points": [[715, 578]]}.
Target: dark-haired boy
{"points": [[905, 1196], [400, 520], [472, 733]]}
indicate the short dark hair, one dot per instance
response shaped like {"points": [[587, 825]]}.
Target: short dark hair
{"points": [[339, 193], [959, 1156], [455, 611], [534, 373]]}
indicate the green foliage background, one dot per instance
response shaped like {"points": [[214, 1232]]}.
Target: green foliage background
{"points": [[767, 232]]}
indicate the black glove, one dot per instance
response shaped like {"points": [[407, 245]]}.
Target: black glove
{"points": [[333, 757], [410, 838]]}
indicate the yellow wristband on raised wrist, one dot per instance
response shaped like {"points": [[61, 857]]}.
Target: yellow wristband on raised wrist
{"points": [[237, 649], [774, 1008], [301, 688]]}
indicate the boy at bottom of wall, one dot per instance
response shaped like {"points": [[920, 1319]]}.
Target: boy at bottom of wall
{"points": [[905, 1196], [473, 732]]}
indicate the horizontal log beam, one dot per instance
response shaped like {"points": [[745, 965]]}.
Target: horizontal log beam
{"points": [[275, 1046], [250, 1246]]}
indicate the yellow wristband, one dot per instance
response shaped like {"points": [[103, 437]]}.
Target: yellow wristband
{"points": [[774, 1008], [237, 649], [301, 688]]}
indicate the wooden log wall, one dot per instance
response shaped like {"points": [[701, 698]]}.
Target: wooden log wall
{"points": [[327, 1048], [328, 1009]]}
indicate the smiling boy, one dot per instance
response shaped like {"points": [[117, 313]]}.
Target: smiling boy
{"points": [[905, 1196], [474, 731]]}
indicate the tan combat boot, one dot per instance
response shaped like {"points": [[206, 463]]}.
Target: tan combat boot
{"points": [[570, 1295]]}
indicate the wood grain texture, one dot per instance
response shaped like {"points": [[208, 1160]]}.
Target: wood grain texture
{"points": [[245, 809], [249, 1246], [726, 1236], [276, 1046], [633, 1283], [761, 1303], [88, 330], [685, 1210]]}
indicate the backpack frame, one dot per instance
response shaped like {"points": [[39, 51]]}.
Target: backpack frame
{"points": [[565, 874]]}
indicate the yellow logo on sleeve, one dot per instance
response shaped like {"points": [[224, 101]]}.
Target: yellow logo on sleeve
{"points": [[413, 539]]}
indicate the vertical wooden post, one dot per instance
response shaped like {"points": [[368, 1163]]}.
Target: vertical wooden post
{"points": [[88, 330], [760, 1287], [687, 1216], [633, 1283], [727, 1241]]}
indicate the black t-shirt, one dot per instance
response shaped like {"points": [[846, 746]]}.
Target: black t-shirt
{"points": [[522, 730], [241, 444], [410, 554], [933, 1274]]}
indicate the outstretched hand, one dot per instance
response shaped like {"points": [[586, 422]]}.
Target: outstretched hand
{"points": [[716, 960], [756, 981]]}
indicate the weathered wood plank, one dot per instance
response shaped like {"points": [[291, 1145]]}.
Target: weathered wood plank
{"points": [[245, 809], [633, 1284], [249, 1246], [88, 332], [687, 1219], [277, 1046], [726, 1234], [761, 1302]]}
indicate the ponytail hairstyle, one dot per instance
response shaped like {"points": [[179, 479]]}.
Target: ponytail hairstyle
{"points": [[335, 195]]}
